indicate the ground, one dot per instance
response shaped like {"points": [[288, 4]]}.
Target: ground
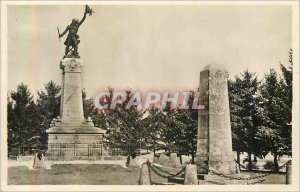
{"points": [[71, 174], [91, 174], [104, 172]]}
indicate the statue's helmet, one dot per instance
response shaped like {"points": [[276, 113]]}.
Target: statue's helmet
{"points": [[75, 21]]}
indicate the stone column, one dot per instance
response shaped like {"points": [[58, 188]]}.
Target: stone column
{"points": [[72, 106], [214, 142], [62, 92]]}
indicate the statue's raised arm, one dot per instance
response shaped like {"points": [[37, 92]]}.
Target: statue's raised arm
{"points": [[73, 39], [89, 11]]}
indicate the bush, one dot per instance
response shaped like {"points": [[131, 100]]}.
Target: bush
{"points": [[254, 166], [269, 165]]}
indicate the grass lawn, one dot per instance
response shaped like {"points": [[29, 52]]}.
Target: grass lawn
{"points": [[74, 174], [275, 179], [93, 174]]}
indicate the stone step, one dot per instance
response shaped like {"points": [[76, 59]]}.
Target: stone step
{"points": [[164, 183], [200, 176], [177, 180]]}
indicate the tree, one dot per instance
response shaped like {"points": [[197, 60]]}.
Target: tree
{"points": [[171, 131], [153, 125], [23, 118], [187, 132], [277, 94], [237, 126], [286, 94], [245, 114], [89, 110], [48, 103], [174, 130], [271, 94], [124, 125], [11, 135]]}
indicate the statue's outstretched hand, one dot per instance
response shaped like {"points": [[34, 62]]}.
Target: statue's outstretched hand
{"points": [[88, 10]]}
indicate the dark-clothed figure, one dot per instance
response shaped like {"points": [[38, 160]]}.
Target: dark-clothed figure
{"points": [[73, 39]]}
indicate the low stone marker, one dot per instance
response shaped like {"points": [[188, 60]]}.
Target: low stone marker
{"points": [[173, 161], [144, 175], [190, 175], [38, 162], [156, 159], [289, 173], [162, 158]]}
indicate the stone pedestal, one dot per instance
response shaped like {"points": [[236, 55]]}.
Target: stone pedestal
{"points": [[71, 100], [214, 142], [72, 136]]}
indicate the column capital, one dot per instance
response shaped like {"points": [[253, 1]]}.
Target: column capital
{"points": [[71, 64]]}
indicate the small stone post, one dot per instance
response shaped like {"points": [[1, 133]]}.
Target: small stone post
{"points": [[289, 173], [144, 175], [190, 175], [172, 161], [162, 158]]}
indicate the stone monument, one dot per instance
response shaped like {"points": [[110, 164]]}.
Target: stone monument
{"points": [[71, 136], [214, 142]]}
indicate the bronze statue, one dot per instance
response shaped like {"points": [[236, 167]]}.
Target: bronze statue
{"points": [[73, 39]]}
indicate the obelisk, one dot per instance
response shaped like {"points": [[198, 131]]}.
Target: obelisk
{"points": [[214, 142]]}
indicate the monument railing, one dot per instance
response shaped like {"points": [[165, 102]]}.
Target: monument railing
{"points": [[75, 149], [124, 149]]}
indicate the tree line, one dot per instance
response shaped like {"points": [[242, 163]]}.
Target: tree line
{"points": [[260, 112]]}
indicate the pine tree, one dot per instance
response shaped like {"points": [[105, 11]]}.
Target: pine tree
{"points": [[89, 110], [245, 114], [187, 132], [237, 126], [23, 118], [271, 94], [11, 135], [48, 103], [154, 125], [124, 125], [171, 132], [286, 85], [277, 94]]}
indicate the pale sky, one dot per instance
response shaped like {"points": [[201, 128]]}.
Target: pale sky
{"points": [[147, 47]]}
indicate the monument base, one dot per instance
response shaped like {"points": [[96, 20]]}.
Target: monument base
{"points": [[220, 164], [75, 141]]}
